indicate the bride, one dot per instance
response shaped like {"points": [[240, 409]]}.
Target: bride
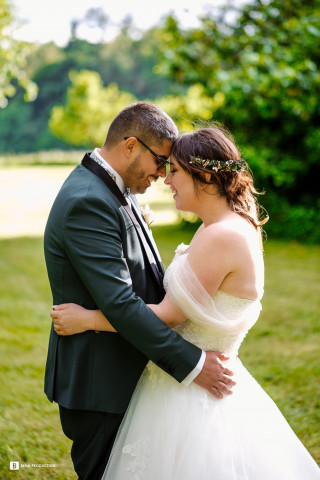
{"points": [[214, 287]]}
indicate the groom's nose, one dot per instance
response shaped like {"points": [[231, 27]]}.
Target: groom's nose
{"points": [[162, 172]]}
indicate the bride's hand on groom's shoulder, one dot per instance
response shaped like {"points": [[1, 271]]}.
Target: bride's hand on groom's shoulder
{"points": [[70, 318], [214, 376]]}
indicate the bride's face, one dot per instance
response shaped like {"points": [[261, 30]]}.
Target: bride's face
{"points": [[182, 187]]}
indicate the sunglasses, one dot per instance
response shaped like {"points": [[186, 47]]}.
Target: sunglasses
{"points": [[162, 160]]}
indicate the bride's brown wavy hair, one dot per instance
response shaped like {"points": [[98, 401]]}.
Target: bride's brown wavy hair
{"points": [[216, 143]]}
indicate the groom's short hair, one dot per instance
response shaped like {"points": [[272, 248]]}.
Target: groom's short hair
{"points": [[143, 120]]}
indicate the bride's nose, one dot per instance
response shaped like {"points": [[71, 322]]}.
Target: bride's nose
{"points": [[168, 179]]}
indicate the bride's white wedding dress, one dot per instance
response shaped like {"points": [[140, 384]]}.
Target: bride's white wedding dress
{"points": [[173, 432]]}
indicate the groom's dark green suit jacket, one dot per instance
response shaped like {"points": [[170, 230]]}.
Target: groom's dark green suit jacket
{"points": [[95, 258]]}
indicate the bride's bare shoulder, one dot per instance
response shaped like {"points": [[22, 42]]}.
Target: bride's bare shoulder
{"points": [[230, 236], [222, 231], [198, 232]]}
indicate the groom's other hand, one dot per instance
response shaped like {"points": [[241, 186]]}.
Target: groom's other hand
{"points": [[214, 377]]}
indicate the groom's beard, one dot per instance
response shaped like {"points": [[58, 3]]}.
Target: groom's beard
{"points": [[136, 177]]}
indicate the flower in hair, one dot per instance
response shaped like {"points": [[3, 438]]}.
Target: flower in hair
{"points": [[219, 165]]}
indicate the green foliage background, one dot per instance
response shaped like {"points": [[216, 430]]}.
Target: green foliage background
{"points": [[265, 69], [13, 55], [258, 74]]}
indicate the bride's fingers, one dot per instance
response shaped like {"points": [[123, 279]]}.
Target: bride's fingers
{"points": [[58, 330], [58, 322], [61, 306], [62, 310]]}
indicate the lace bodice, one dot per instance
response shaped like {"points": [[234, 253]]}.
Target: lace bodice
{"points": [[208, 337], [218, 323]]}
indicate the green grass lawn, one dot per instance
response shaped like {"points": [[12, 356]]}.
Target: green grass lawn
{"points": [[281, 351]]}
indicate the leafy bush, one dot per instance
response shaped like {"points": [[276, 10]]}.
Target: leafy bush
{"points": [[293, 223]]}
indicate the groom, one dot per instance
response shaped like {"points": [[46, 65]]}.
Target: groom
{"points": [[100, 254]]}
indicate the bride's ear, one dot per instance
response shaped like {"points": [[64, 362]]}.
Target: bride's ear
{"points": [[207, 176]]}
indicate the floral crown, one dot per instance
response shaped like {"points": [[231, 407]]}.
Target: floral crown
{"points": [[220, 165]]}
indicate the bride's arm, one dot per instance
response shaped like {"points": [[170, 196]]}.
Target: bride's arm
{"points": [[70, 318], [168, 313]]}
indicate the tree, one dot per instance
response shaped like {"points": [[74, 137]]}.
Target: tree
{"points": [[93, 18], [194, 107], [96, 17], [131, 63], [89, 109], [12, 58], [127, 62], [265, 66]]}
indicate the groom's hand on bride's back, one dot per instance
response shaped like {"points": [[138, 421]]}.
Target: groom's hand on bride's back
{"points": [[214, 376]]}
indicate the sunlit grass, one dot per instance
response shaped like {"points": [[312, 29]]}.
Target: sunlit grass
{"points": [[281, 351], [51, 157], [29, 424]]}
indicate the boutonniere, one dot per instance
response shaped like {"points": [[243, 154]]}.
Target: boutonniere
{"points": [[147, 214]]}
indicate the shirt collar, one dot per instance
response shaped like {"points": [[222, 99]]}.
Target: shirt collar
{"points": [[118, 180]]}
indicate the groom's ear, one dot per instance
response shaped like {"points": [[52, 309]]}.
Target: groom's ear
{"points": [[129, 146]]}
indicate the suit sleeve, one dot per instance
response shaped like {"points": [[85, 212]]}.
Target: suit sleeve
{"points": [[92, 241]]}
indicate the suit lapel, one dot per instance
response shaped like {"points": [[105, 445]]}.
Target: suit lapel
{"points": [[146, 243], [148, 233], [95, 168]]}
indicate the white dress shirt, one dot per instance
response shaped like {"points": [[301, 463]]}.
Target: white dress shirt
{"points": [[120, 183]]}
